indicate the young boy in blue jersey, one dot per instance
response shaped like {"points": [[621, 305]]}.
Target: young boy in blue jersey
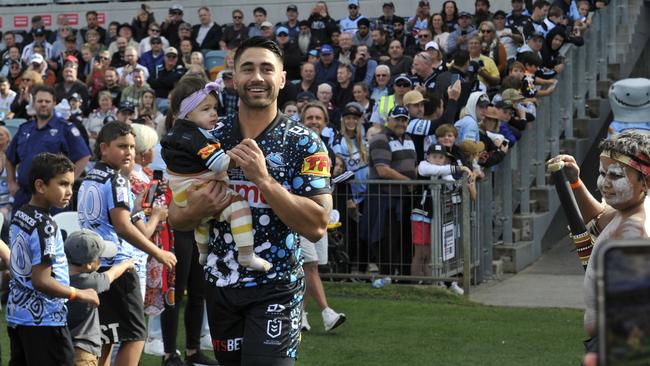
{"points": [[105, 205], [36, 310]]}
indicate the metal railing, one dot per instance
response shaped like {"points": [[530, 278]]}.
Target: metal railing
{"points": [[507, 212], [417, 231]]}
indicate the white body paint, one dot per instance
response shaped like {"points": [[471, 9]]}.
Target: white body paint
{"points": [[620, 187]]}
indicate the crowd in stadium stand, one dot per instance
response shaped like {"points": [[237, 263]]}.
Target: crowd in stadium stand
{"points": [[413, 93]]}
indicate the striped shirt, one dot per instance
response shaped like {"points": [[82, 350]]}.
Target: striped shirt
{"points": [[399, 154]]}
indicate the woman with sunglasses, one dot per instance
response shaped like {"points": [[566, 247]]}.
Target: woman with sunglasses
{"points": [[491, 45]]}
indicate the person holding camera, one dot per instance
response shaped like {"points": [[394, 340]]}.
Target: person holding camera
{"points": [[169, 28], [487, 71], [623, 179]]}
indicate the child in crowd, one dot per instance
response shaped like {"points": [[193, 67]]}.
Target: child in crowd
{"points": [[439, 163], [193, 157], [105, 206], [84, 248], [532, 87], [40, 283]]}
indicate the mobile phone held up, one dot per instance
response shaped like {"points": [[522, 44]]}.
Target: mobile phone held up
{"points": [[623, 290]]}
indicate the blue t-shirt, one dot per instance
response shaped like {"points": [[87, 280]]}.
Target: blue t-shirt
{"points": [[298, 160], [104, 189], [35, 239]]}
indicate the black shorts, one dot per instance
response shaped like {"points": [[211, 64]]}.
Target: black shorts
{"points": [[32, 345], [255, 325], [121, 311]]}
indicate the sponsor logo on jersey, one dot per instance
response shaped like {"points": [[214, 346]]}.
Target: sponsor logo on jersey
{"points": [[317, 164], [205, 152], [250, 192]]}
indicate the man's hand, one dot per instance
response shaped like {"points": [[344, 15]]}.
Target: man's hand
{"points": [[453, 91], [89, 296], [160, 212], [207, 200], [559, 68], [166, 258], [251, 160], [571, 168]]}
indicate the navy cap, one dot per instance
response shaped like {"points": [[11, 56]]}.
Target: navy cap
{"points": [[326, 49], [535, 35], [39, 32], [439, 149], [292, 7], [399, 112], [464, 14], [305, 95], [75, 96], [126, 106], [403, 77]]}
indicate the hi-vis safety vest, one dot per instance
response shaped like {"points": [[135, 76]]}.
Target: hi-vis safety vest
{"points": [[386, 103]]}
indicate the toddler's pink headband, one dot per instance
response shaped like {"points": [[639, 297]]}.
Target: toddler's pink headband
{"points": [[191, 102]]}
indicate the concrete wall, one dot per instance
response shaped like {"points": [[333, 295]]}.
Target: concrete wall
{"points": [[17, 17]]}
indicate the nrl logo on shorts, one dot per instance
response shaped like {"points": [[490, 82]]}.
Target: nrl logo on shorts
{"points": [[274, 328]]}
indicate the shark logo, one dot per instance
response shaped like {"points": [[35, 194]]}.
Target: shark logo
{"points": [[274, 160]]}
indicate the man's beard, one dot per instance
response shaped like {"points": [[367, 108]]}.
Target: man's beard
{"points": [[44, 116]]}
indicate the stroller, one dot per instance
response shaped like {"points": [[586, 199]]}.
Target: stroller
{"points": [[338, 260]]}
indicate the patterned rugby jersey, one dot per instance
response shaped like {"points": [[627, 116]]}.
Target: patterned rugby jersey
{"points": [[104, 189], [298, 160], [35, 239]]}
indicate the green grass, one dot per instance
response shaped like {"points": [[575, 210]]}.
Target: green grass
{"points": [[406, 325]]}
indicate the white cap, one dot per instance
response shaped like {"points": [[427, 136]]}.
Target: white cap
{"points": [[432, 44], [36, 57]]}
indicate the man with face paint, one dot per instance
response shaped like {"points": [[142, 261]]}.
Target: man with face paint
{"points": [[623, 178]]}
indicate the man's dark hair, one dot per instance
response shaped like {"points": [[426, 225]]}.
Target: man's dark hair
{"points": [[46, 166], [484, 2], [398, 20], [259, 9], [364, 21], [511, 82], [303, 22], [381, 31], [36, 18], [461, 57], [530, 58], [110, 132], [3, 79], [9, 32], [259, 42], [91, 12], [43, 88], [237, 11], [540, 4]]}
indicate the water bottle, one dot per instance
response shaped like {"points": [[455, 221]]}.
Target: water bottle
{"points": [[380, 282]]}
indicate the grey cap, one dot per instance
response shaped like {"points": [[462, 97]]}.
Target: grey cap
{"points": [[86, 246]]}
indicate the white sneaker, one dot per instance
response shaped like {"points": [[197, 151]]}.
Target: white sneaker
{"points": [[456, 289], [332, 319], [154, 347], [305, 323], [206, 342]]}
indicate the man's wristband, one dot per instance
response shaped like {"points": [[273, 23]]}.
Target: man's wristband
{"points": [[73, 294], [577, 184]]}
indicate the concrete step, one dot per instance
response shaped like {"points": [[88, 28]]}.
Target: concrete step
{"points": [[540, 194], [517, 256]]}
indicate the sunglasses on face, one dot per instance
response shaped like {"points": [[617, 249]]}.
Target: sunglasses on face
{"points": [[381, 75], [486, 31], [154, 30], [171, 55], [156, 43], [423, 35], [403, 84], [103, 58], [237, 17]]}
